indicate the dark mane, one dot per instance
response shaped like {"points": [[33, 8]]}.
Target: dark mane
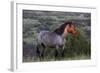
{"points": [[60, 30]]}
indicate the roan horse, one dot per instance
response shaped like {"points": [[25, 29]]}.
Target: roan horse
{"points": [[55, 39]]}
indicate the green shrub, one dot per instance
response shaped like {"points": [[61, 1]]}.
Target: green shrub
{"points": [[76, 46]]}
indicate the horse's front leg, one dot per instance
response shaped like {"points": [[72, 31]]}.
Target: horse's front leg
{"points": [[62, 53], [56, 51], [63, 46], [59, 51]]}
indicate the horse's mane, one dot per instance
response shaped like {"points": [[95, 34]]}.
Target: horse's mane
{"points": [[60, 30]]}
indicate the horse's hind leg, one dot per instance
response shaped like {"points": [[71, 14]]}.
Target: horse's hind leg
{"points": [[37, 51], [56, 53], [40, 52]]}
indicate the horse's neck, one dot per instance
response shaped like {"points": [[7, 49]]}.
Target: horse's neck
{"points": [[65, 33]]}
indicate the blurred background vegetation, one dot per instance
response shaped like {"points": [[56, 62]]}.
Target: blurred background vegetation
{"points": [[78, 48]]}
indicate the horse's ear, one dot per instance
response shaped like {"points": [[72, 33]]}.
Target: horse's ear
{"points": [[68, 23]]}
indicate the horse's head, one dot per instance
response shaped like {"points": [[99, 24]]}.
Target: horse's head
{"points": [[70, 28], [66, 28]]}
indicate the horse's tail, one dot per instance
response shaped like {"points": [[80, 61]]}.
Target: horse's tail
{"points": [[39, 36]]}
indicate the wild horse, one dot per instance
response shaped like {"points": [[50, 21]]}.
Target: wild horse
{"points": [[55, 39]]}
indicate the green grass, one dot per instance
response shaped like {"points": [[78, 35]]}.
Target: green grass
{"points": [[76, 48], [37, 59]]}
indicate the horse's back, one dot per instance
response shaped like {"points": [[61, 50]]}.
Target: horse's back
{"points": [[50, 38]]}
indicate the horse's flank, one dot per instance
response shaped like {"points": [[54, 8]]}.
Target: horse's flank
{"points": [[50, 39]]}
